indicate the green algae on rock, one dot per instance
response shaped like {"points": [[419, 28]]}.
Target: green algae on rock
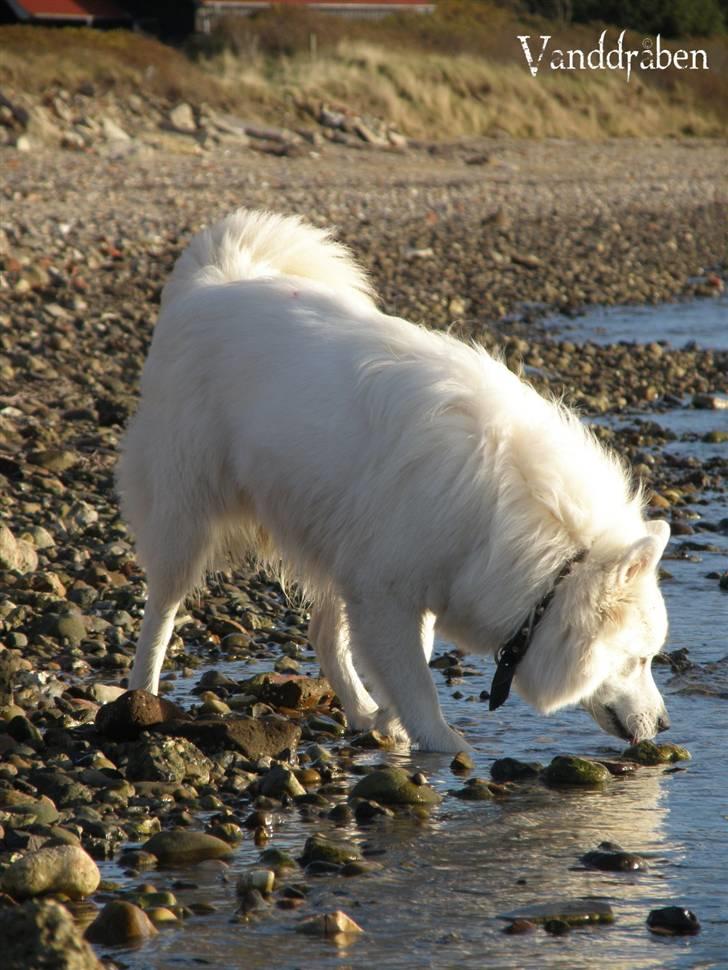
{"points": [[319, 848], [649, 753], [569, 770], [393, 786]]}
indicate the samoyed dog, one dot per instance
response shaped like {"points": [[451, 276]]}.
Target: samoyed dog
{"points": [[403, 478]]}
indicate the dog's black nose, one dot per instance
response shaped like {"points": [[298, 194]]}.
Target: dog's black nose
{"points": [[663, 723]]}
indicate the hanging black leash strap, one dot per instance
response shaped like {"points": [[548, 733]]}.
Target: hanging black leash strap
{"points": [[511, 653]]}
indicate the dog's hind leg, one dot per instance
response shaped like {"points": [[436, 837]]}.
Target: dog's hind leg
{"points": [[175, 558], [329, 635], [393, 643]]}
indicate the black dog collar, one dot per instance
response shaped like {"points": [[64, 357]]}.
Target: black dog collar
{"points": [[511, 653]]}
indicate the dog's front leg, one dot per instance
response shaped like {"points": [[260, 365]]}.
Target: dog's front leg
{"points": [[388, 640]]}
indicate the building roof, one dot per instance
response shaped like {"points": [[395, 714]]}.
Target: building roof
{"points": [[221, 4], [82, 11]]}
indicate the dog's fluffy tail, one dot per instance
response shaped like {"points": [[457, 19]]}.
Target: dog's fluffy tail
{"points": [[251, 244]]}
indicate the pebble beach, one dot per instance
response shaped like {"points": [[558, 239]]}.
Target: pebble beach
{"points": [[487, 239]]}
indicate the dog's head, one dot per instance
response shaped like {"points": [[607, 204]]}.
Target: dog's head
{"points": [[596, 642]]}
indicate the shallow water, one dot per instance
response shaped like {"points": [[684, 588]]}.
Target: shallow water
{"points": [[703, 321], [445, 881]]}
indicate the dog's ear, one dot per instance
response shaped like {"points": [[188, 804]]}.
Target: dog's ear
{"points": [[642, 557]]}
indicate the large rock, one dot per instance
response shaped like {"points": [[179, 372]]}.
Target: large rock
{"points": [[279, 781], [182, 119], [65, 790], [168, 759], [649, 753], [510, 769], [572, 771], [126, 717], [16, 553], [673, 921], [183, 847], [293, 691], [393, 786], [120, 922], [319, 848], [112, 131], [575, 912], [26, 810], [41, 935], [58, 869], [254, 737]]}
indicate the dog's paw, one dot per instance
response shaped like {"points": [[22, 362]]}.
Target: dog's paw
{"points": [[443, 740], [390, 725]]}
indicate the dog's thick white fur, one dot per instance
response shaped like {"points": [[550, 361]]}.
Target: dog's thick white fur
{"points": [[404, 478]]}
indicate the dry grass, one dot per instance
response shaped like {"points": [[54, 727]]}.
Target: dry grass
{"points": [[451, 96], [35, 59], [458, 73]]}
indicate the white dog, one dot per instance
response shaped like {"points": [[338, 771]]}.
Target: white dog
{"points": [[404, 479]]}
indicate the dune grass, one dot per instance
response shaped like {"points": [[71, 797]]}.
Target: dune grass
{"points": [[35, 59], [433, 95], [456, 74]]}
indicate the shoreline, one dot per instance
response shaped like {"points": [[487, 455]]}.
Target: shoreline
{"points": [[460, 240]]}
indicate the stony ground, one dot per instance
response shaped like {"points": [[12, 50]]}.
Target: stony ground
{"points": [[478, 238]]}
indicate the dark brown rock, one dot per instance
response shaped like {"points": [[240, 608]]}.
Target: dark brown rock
{"points": [[253, 737], [136, 711], [43, 935], [293, 691], [120, 922]]}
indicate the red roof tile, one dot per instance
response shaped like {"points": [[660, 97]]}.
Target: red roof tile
{"points": [[70, 9], [334, 3]]}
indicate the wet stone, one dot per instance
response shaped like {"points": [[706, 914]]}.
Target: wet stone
{"points": [[330, 925], [510, 769], [373, 740], [475, 790], [43, 934], [393, 786], [181, 847], [519, 927], [462, 763], [649, 753], [319, 848], [120, 922], [575, 912], [612, 858], [280, 781], [366, 810], [572, 771], [278, 860], [263, 880], [673, 921]]}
